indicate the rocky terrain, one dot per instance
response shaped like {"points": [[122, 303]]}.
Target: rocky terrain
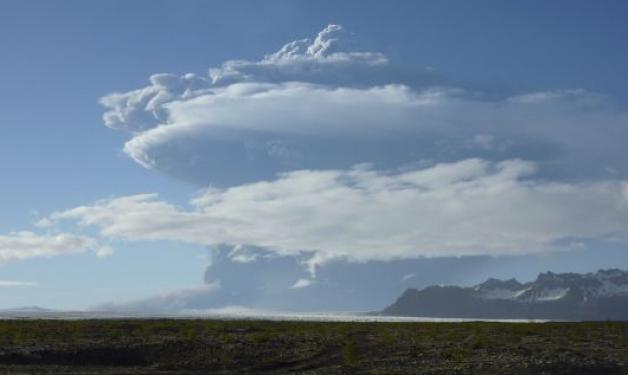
{"points": [[569, 296], [211, 346]]}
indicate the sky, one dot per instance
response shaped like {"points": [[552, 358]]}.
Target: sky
{"points": [[172, 155]]}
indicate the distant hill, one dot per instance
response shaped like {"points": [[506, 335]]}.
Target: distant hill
{"points": [[570, 296], [26, 309]]}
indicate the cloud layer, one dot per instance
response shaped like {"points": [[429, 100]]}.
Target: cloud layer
{"points": [[469, 207], [26, 245], [327, 151], [307, 104], [17, 284]]}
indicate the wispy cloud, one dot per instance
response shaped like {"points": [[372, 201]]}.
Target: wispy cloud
{"points": [[17, 284], [26, 245], [463, 208], [105, 251], [302, 283]]}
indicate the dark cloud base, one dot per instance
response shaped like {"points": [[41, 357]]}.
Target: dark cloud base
{"points": [[266, 283]]}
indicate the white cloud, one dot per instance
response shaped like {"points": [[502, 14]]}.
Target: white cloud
{"points": [[318, 106], [43, 223], [463, 208], [26, 245], [16, 284], [329, 89], [241, 254], [142, 109], [302, 283], [105, 251], [333, 57], [326, 59]]}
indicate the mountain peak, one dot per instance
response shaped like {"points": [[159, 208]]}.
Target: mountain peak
{"points": [[598, 295], [492, 283]]}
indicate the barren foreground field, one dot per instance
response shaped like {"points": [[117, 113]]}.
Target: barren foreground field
{"points": [[202, 346]]}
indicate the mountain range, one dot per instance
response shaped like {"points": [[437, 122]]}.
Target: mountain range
{"points": [[602, 295]]}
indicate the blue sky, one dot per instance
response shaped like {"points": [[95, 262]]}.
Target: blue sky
{"points": [[541, 83]]}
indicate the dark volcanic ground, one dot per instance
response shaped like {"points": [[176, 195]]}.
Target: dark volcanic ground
{"points": [[202, 346]]}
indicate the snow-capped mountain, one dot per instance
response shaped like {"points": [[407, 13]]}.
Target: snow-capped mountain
{"points": [[552, 286], [596, 296]]}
